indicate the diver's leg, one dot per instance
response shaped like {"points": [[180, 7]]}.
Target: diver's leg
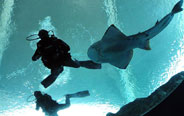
{"points": [[52, 77], [67, 103], [74, 95], [72, 63], [87, 64], [90, 64], [52, 114]]}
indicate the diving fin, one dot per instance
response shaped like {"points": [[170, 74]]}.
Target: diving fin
{"points": [[90, 64], [80, 94]]}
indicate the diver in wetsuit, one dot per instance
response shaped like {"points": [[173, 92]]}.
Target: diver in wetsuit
{"points": [[55, 55], [50, 107]]}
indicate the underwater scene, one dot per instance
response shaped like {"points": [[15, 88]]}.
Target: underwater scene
{"points": [[81, 23]]}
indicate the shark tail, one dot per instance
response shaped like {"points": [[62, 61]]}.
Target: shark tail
{"points": [[177, 8], [146, 45]]}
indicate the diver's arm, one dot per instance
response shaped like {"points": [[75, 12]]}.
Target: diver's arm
{"points": [[67, 102], [36, 55]]}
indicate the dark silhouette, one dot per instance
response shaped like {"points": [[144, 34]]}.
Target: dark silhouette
{"points": [[55, 54], [50, 107], [110, 114], [167, 100], [172, 105]]}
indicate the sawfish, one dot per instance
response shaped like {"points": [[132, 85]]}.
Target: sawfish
{"points": [[116, 48]]}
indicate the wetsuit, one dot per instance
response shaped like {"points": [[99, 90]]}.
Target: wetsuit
{"points": [[53, 52], [49, 106]]}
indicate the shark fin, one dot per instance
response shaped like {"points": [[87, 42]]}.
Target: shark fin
{"points": [[123, 60], [178, 7], [157, 22], [113, 33], [147, 45]]}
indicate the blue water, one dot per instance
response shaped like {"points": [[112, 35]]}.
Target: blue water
{"points": [[81, 23]]}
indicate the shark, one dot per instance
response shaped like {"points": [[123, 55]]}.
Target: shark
{"points": [[116, 48]]}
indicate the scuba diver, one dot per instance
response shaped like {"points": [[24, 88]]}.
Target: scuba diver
{"points": [[50, 107], [55, 55]]}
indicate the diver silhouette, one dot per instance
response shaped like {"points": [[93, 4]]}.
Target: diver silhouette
{"points": [[55, 55], [50, 107]]}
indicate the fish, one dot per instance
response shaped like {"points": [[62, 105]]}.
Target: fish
{"points": [[116, 48]]}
